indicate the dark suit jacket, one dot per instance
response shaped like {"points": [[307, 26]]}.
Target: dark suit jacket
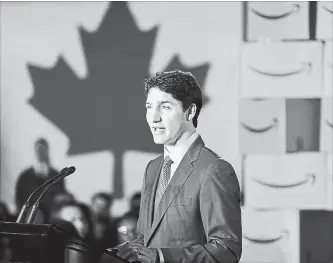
{"points": [[199, 216]]}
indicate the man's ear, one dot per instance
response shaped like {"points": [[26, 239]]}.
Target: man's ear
{"points": [[192, 109]]}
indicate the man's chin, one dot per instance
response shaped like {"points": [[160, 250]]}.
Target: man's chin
{"points": [[158, 140]]}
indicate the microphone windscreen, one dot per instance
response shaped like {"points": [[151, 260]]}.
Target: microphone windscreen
{"points": [[71, 170]]}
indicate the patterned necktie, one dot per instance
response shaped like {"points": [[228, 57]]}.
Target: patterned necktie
{"points": [[163, 182]]}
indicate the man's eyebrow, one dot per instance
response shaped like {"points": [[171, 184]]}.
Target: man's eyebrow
{"points": [[165, 101], [159, 102]]}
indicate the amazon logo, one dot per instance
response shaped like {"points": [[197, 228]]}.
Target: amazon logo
{"points": [[258, 99], [294, 9], [329, 123], [327, 9], [306, 67], [263, 241], [308, 178], [273, 124]]}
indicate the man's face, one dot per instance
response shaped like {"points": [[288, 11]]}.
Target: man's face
{"points": [[100, 207], [165, 117], [75, 216], [42, 152]]}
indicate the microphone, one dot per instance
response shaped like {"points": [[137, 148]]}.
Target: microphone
{"points": [[35, 206], [26, 205]]}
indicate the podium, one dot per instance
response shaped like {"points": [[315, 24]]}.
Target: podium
{"points": [[45, 243], [50, 244]]}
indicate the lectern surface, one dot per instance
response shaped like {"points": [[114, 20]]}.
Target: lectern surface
{"points": [[110, 257], [37, 243]]}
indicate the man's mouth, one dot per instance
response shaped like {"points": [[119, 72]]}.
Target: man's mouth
{"points": [[156, 129]]}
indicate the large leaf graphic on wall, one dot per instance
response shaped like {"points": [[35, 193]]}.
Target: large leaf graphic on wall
{"points": [[105, 111]]}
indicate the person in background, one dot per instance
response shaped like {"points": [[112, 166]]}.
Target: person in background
{"points": [[190, 208], [104, 226], [101, 204], [66, 225], [73, 213], [63, 197], [126, 228], [71, 216], [88, 215], [35, 176], [126, 224], [5, 251], [4, 213], [135, 205]]}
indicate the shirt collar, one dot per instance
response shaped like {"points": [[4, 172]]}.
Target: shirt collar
{"points": [[177, 153]]}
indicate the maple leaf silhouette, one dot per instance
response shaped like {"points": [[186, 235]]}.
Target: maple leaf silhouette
{"points": [[104, 111]]}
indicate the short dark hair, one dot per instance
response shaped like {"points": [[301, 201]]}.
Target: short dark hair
{"points": [[181, 85], [136, 196], [41, 141], [106, 196], [57, 207]]}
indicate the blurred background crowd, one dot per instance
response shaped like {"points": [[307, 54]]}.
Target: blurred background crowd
{"points": [[71, 85], [91, 221]]}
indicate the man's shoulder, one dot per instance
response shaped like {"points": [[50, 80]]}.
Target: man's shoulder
{"points": [[53, 171], [153, 166], [27, 172], [208, 157], [26, 176], [157, 159]]}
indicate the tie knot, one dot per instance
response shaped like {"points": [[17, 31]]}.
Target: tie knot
{"points": [[167, 161]]}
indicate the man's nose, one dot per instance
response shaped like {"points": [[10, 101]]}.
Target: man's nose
{"points": [[156, 116]]}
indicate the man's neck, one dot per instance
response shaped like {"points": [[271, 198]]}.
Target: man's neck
{"points": [[42, 168], [186, 135]]}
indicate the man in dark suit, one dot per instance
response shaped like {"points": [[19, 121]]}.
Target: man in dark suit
{"points": [[34, 176], [190, 204]]}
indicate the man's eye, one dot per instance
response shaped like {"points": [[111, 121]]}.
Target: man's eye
{"points": [[148, 107], [166, 107]]}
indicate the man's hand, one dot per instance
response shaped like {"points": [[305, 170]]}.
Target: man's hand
{"points": [[135, 251]]}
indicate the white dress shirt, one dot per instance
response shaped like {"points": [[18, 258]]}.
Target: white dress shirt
{"points": [[176, 153]]}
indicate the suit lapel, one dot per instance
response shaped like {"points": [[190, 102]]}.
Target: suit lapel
{"points": [[152, 188], [177, 181]]}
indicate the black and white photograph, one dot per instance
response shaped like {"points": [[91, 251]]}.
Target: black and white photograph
{"points": [[166, 131]]}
